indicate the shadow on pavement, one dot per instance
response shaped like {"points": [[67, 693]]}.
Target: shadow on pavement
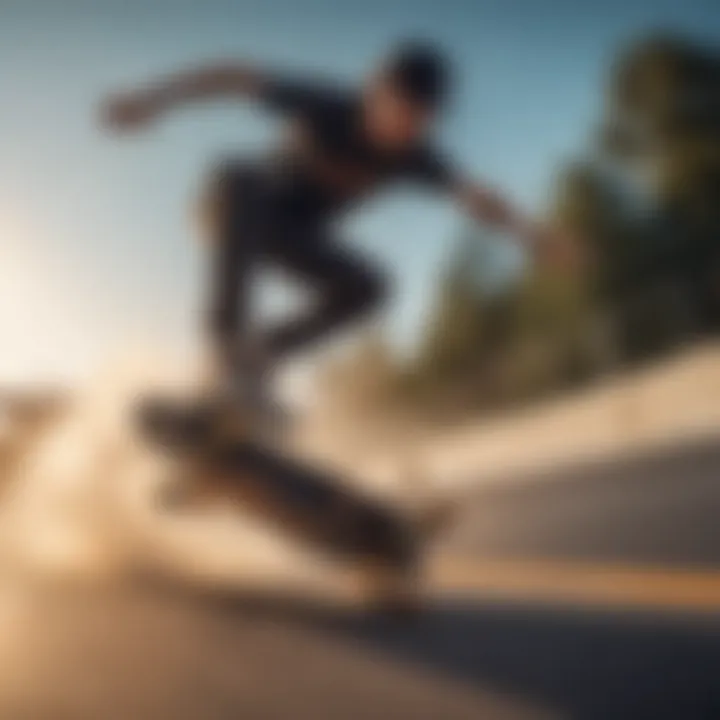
{"points": [[586, 664]]}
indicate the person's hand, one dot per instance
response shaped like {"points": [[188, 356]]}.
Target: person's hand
{"points": [[131, 111], [557, 248]]}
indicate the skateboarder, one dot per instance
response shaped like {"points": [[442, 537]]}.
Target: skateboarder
{"points": [[342, 144]]}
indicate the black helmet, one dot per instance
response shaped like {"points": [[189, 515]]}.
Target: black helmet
{"points": [[421, 72]]}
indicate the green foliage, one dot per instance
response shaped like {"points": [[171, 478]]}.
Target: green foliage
{"points": [[665, 108]]}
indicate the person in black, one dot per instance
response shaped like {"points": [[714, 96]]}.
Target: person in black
{"points": [[341, 145]]}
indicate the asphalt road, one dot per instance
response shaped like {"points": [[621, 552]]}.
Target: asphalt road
{"points": [[141, 653], [134, 650], [656, 509]]}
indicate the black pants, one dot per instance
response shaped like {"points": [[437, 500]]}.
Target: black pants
{"points": [[254, 224]]}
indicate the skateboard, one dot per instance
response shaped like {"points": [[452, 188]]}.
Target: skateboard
{"points": [[312, 507]]}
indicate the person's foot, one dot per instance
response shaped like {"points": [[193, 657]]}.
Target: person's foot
{"points": [[251, 414], [240, 393], [245, 407]]}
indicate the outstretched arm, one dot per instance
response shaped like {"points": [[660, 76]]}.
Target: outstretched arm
{"points": [[489, 207], [131, 110]]}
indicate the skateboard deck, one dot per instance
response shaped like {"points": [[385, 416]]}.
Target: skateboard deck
{"points": [[312, 506]]}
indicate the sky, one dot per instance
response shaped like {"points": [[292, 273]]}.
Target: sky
{"points": [[96, 251]]}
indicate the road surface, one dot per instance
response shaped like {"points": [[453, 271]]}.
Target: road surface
{"points": [[656, 509], [130, 649]]}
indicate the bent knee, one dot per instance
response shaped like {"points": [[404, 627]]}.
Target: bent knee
{"points": [[225, 201], [362, 293]]}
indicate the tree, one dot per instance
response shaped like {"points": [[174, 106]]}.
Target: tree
{"points": [[663, 123]]}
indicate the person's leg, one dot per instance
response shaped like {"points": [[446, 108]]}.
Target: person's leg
{"points": [[234, 247], [348, 287], [249, 229]]}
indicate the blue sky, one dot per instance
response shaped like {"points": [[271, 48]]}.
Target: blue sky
{"points": [[95, 248]]}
